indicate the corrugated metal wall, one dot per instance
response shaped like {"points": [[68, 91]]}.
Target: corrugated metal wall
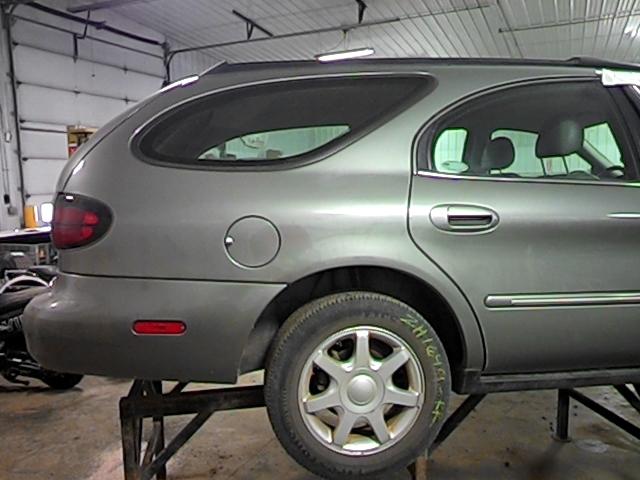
{"points": [[62, 85]]}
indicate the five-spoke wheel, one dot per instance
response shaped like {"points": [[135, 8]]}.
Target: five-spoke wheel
{"points": [[356, 385]]}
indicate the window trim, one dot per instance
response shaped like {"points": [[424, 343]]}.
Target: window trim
{"points": [[428, 131], [316, 155]]}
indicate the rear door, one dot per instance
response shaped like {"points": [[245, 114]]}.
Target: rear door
{"points": [[528, 199]]}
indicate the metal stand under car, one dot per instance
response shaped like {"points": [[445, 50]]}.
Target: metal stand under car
{"points": [[146, 400]]}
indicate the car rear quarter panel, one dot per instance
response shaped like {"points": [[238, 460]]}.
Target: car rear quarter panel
{"points": [[85, 325]]}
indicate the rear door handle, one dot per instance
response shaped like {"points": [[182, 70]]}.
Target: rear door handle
{"points": [[463, 218]]}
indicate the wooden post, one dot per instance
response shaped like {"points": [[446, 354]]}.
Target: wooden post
{"points": [[418, 469]]}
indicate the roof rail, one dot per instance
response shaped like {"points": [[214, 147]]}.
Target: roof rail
{"points": [[213, 67], [600, 63], [579, 61]]}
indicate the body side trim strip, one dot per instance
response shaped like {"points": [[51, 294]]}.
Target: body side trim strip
{"points": [[562, 300]]}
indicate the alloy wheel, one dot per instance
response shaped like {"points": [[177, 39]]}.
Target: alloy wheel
{"points": [[361, 390]]}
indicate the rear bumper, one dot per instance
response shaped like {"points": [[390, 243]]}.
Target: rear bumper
{"points": [[84, 325]]}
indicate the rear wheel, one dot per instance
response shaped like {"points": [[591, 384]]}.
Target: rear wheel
{"points": [[357, 385]]}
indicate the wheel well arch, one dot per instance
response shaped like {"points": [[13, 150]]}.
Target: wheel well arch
{"points": [[403, 286]]}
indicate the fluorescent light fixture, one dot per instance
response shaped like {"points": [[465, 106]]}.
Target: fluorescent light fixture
{"points": [[345, 54]]}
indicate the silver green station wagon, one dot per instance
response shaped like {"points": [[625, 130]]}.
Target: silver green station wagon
{"points": [[375, 234]]}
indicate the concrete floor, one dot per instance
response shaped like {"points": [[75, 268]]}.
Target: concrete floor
{"points": [[75, 435]]}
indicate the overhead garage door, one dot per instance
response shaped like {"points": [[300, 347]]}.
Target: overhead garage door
{"points": [[56, 90]]}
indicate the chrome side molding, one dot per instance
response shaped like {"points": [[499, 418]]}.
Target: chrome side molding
{"points": [[562, 300], [625, 215]]}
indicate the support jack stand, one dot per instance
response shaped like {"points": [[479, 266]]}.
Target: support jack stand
{"points": [[565, 396], [146, 400]]}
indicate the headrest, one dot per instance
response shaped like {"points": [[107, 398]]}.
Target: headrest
{"points": [[559, 139], [498, 154]]}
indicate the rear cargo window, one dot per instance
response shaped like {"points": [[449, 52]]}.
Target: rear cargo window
{"points": [[272, 122]]}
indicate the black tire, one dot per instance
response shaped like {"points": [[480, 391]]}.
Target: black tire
{"points": [[61, 381], [303, 331]]}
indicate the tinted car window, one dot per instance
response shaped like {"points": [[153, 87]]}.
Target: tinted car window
{"points": [[553, 131], [276, 121]]}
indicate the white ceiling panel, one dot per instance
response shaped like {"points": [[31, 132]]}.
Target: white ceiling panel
{"points": [[434, 28]]}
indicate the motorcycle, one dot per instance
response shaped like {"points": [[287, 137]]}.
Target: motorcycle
{"points": [[19, 287]]}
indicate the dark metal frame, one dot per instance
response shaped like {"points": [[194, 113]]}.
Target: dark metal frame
{"points": [[564, 400], [147, 400]]}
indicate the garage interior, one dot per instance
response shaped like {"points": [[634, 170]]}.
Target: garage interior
{"points": [[67, 67]]}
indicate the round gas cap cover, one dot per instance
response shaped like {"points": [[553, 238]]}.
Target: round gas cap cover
{"points": [[252, 241]]}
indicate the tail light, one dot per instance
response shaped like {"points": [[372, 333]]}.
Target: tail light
{"points": [[78, 221]]}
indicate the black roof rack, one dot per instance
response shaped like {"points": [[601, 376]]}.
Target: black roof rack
{"points": [[588, 62]]}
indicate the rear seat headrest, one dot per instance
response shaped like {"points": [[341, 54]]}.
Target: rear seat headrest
{"points": [[498, 154], [559, 139]]}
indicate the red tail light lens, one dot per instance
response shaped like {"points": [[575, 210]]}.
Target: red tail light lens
{"points": [[78, 221]]}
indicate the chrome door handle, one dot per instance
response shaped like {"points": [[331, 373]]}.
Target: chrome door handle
{"points": [[463, 218]]}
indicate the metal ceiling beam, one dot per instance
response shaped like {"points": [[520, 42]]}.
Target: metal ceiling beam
{"points": [[95, 39], [568, 23], [361, 8], [339, 28], [251, 25], [287, 35], [91, 23], [11, 3], [102, 5]]}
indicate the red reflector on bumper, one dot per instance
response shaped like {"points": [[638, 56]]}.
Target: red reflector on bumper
{"points": [[159, 327]]}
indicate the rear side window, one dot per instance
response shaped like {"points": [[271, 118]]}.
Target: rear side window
{"points": [[448, 152], [555, 131], [275, 122]]}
